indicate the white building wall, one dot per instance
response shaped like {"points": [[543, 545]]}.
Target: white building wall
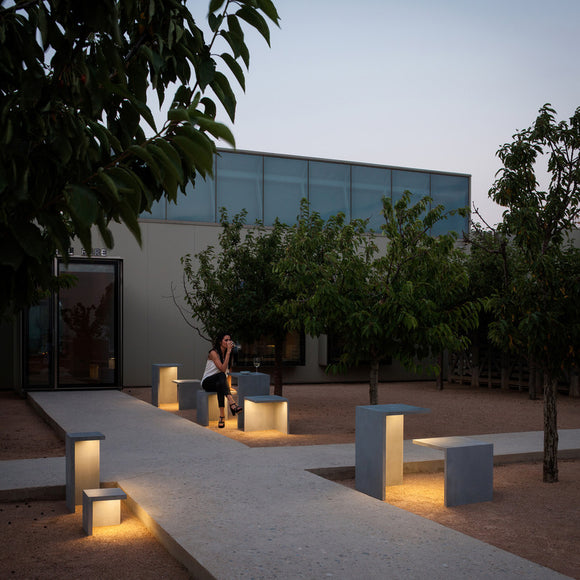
{"points": [[153, 329]]}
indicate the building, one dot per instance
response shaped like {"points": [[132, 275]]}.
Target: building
{"points": [[121, 317]]}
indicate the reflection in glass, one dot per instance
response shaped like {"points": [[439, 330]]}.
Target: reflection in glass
{"points": [[329, 191], [451, 191], [157, 211], [293, 354], [414, 181], [369, 186], [239, 184], [285, 184], [86, 325], [198, 203], [39, 344]]}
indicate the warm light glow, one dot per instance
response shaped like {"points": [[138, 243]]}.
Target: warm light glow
{"points": [[264, 416], [107, 513], [87, 467], [169, 406], [167, 392], [394, 449]]}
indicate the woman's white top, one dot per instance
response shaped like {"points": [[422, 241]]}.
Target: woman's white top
{"points": [[210, 369]]}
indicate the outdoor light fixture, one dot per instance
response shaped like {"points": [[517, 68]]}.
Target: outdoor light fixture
{"points": [[82, 465], [266, 412], [163, 389], [379, 446], [102, 507]]}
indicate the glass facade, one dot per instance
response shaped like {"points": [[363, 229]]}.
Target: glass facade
{"points": [[271, 186]]}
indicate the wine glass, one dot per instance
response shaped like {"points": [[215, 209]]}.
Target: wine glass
{"points": [[257, 361]]}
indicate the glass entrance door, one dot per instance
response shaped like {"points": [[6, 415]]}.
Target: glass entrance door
{"points": [[74, 338]]}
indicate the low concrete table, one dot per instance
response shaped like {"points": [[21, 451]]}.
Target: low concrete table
{"points": [[468, 468], [250, 384], [379, 446]]}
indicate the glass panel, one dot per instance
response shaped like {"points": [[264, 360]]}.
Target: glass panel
{"points": [[240, 184], [369, 186], [285, 184], [451, 191], [329, 188], [414, 181], [198, 203], [87, 314], [157, 211], [264, 348], [38, 367]]}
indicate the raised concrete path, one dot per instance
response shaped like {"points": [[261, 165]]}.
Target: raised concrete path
{"points": [[228, 511]]}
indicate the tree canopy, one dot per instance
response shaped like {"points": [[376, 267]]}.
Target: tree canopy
{"points": [[537, 315], [75, 80], [235, 288], [404, 301]]}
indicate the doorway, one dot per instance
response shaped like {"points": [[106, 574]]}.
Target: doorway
{"points": [[73, 338]]}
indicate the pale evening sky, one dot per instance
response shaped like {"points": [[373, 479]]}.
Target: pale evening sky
{"points": [[428, 84]]}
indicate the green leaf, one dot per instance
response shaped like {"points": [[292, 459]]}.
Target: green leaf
{"points": [[109, 183], [268, 8], [255, 19], [215, 5], [83, 203], [235, 68], [144, 155], [221, 87]]}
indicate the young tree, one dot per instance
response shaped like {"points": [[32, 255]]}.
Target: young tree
{"points": [[538, 316], [404, 302], [74, 80], [236, 288]]}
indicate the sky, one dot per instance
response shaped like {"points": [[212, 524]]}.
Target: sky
{"points": [[426, 84]]}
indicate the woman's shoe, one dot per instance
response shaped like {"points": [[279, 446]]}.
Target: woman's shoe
{"points": [[236, 409], [221, 423]]}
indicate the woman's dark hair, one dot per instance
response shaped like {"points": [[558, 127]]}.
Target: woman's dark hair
{"points": [[217, 344]]}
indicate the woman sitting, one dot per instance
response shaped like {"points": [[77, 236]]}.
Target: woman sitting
{"points": [[219, 360]]}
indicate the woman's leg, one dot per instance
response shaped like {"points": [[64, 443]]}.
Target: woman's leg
{"points": [[218, 383]]}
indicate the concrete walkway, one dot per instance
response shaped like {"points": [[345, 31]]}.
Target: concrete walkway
{"points": [[228, 511]]}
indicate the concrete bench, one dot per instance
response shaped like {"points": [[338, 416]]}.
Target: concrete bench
{"points": [[187, 393], [207, 408], [102, 507], [468, 468], [264, 412]]}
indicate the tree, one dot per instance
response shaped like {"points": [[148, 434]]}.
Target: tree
{"points": [[235, 288], [404, 302], [538, 316], [74, 80]]}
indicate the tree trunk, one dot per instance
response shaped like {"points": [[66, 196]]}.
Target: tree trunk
{"points": [[550, 470], [475, 370], [574, 385], [505, 371], [278, 373], [439, 380], [533, 381], [374, 382]]}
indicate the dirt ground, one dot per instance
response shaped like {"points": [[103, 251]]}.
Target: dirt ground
{"points": [[530, 518]]}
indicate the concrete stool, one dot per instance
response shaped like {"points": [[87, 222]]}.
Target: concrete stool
{"points": [[187, 393], [468, 468], [102, 507], [207, 408], [266, 412]]}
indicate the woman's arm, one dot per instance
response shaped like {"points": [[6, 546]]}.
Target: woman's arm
{"points": [[222, 366]]}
